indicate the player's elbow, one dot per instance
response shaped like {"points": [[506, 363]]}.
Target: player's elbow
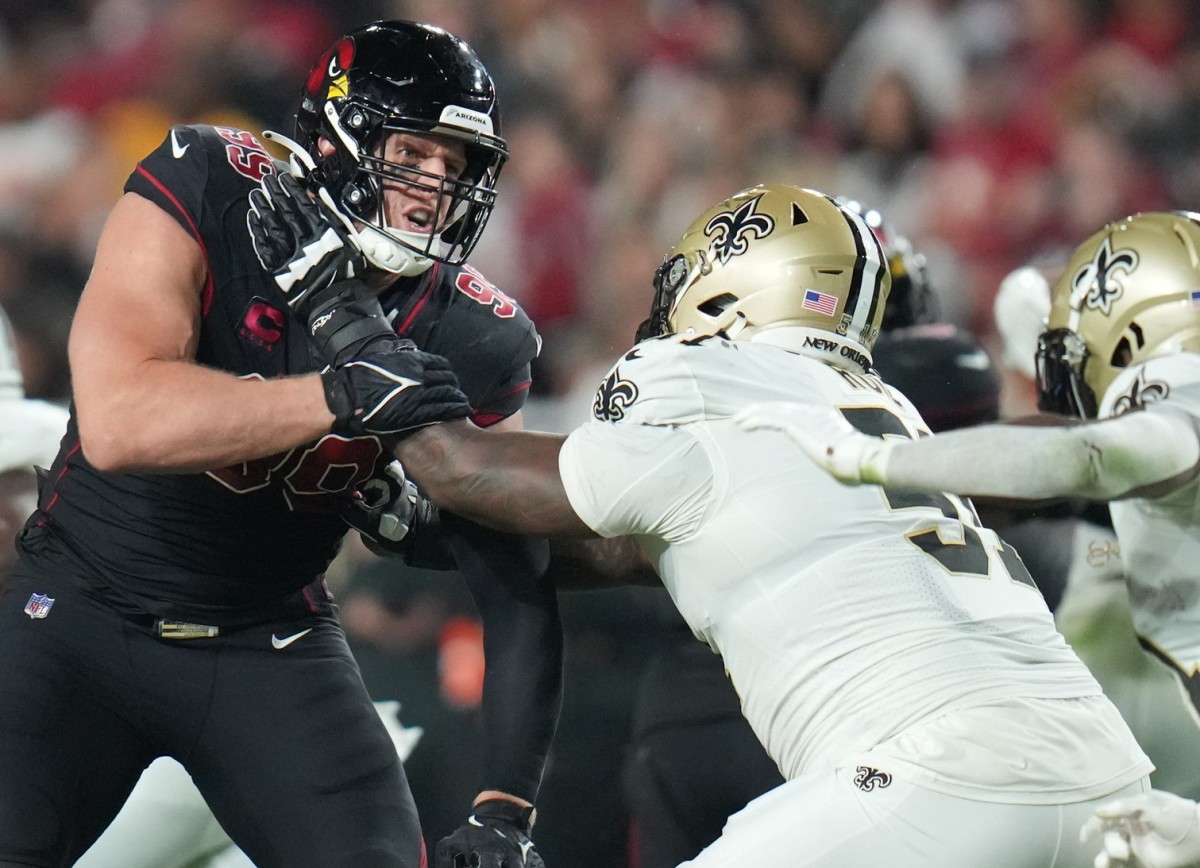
{"points": [[104, 453], [1151, 459], [105, 446]]}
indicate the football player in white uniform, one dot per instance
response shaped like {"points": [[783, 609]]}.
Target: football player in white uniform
{"points": [[891, 654], [1121, 350]]}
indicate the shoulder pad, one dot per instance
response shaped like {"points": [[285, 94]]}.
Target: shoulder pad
{"points": [[1174, 377], [655, 383]]}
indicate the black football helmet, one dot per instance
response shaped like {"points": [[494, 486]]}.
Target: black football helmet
{"points": [[401, 76], [912, 300], [944, 371]]}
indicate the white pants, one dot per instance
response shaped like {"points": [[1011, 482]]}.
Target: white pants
{"points": [[826, 820]]}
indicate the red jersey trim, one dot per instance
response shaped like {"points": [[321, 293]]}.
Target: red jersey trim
{"points": [[61, 474], [484, 419], [430, 284], [206, 295]]}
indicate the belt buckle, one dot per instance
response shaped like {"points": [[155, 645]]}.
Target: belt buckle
{"points": [[183, 630]]}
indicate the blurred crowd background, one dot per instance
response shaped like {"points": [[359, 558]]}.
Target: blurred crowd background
{"points": [[992, 133]]}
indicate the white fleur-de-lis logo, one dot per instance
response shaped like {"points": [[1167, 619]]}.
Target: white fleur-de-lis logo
{"points": [[1097, 285], [1141, 393], [731, 230]]}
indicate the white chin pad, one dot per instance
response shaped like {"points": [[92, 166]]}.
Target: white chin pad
{"points": [[390, 255]]}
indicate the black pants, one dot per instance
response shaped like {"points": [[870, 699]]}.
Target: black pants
{"points": [[283, 743], [694, 759]]}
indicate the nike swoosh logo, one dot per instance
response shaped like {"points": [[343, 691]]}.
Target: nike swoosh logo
{"points": [[278, 643], [525, 848], [178, 150]]}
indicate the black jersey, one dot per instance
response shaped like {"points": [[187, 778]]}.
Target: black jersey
{"points": [[208, 546]]}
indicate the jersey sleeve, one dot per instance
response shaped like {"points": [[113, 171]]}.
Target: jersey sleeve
{"points": [[174, 175], [495, 370], [626, 479], [506, 395]]}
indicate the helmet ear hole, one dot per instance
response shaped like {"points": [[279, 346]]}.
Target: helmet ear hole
{"points": [[1122, 354], [717, 305]]}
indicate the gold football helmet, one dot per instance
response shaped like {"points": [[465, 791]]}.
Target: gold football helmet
{"points": [[781, 264], [1129, 292]]}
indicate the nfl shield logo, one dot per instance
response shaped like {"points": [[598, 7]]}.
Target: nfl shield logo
{"points": [[39, 606]]}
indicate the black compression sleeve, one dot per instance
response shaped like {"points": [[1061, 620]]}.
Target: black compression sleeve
{"points": [[523, 645]]}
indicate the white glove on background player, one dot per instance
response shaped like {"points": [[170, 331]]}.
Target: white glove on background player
{"points": [[825, 436], [1149, 830]]}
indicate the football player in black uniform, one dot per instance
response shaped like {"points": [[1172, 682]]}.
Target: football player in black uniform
{"points": [[169, 595]]}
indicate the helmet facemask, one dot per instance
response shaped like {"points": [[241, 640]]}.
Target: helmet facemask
{"points": [[360, 177], [670, 280], [1062, 359], [401, 77]]}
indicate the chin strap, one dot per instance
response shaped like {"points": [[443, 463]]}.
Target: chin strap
{"points": [[385, 252]]}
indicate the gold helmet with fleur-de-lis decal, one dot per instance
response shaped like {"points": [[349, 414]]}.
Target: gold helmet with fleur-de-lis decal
{"points": [[776, 263], [1129, 292]]}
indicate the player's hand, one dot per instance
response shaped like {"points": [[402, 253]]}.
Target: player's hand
{"points": [[1149, 830], [305, 243], [393, 391], [389, 512], [496, 835], [825, 436], [345, 321]]}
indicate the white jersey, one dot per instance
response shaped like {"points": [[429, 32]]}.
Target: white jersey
{"points": [[1159, 538], [851, 621], [30, 432]]}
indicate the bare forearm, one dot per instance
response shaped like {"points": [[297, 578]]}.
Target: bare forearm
{"points": [[178, 416], [506, 480]]}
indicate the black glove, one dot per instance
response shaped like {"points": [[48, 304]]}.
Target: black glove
{"points": [[496, 835], [393, 390], [390, 512], [346, 320], [304, 242]]}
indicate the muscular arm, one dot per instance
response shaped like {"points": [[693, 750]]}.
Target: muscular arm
{"points": [[507, 480], [1142, 454], [142, 401]]}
